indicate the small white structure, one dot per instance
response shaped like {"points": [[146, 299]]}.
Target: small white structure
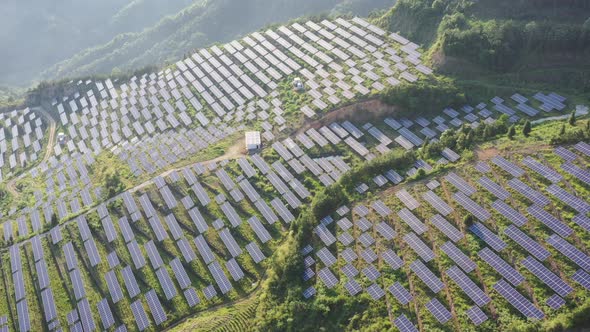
{"points": [[61, 138], [298, 84], [253, 141]]}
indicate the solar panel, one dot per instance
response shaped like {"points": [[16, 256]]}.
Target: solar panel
{"points": [[441, 313], [309, 292], [546, 276], [366, 239], [550, 221], [446, 228], [427, 276], [437, 203], [173, 226], [518, 300], [106, 315], [393, 260], [48, 305], [385, 230], [328, 277], [113, 286], [404, 324], [400, 293], [371, 272], [22, 310], [282, 210], [507, 166], [209, 292], [157, 227], [187, 251], [555, 302], [404, 196], [476, 315], [576, 203], [411, 220], [136, 254], [92, 251], [542, 170], [140, 316], [266, 212], [77, 284], [570, 251], [460, 184], [156, 307], [500, 266], [234, 269], [352, 287], [511, 214], [375, 291], [471, 206], [489, 237], [42, 274], [566, 154], [230, 243], [582, 278], [180, 273], [204, 249], [325, 235], [475, 293], [530, 245], [458, 256], [528, 192], [494, 188], [230, 213], [419, 247], [86, 315], [583, 147], [198, 219], [130, 282], [255, 252], [191, 297], [326, 256], [220, 277]]}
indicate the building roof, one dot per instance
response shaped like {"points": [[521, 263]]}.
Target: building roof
{"points": [[253, 138]]}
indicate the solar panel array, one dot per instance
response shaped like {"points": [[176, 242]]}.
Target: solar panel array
{"points": [[141, 100]]}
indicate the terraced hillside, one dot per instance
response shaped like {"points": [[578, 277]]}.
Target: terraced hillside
{"points": [[138, 208]]}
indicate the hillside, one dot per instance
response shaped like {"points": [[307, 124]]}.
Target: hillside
{"points": [[315, 173], [38, 34], [199, 25]]}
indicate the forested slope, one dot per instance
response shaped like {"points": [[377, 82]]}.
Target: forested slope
{"points": [[199, 25]]}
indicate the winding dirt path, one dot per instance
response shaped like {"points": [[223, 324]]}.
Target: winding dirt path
{"points": [[11, 185]]}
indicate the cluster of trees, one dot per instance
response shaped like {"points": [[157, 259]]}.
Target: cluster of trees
{"points": [[500, 44], [465, 137], [572, 133], [424, 96], [418, 20]]}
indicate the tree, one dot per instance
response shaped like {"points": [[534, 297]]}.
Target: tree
{"points": [[488, 132], [113, 184], [511, 132], [562, 131], [572, 119], [526, 130]]}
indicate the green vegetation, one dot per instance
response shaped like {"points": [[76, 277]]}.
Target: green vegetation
{"points": [[425, 96], [500, 45]]}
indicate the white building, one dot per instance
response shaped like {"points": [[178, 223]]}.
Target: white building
{"points": [[253, 141]]}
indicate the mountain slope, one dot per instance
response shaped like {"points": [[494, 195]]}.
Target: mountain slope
{"points": [[37, 34], [201, 24]]}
